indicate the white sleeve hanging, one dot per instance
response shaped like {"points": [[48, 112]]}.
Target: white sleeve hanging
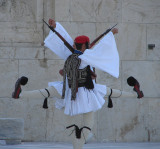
{"points": [[55, 44], [103, 56]]}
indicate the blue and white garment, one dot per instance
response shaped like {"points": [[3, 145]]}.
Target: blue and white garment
{"points": [[103, 56]]}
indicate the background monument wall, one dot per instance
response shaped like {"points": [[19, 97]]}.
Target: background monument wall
{"points": [[21, 53]]}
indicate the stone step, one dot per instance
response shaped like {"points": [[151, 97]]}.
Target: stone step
{"points": [[11, 130]]}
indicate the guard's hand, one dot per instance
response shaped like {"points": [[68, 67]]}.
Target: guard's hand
{"points": [[52, 23], [114, 30], [61, 72], [94, 77]]}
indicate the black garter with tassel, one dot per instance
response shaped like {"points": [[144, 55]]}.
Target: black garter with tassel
{"points": [[110, 104], [45, 103]]}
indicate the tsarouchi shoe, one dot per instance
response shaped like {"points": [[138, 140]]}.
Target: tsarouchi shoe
{"points": [[21, 81], [133, 82]]}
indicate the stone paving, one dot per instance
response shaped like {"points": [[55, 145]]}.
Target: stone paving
{"points": [[52, 145]]}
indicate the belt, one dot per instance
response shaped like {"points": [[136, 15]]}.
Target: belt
{"points": [[79, 85]]}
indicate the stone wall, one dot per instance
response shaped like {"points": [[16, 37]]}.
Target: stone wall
{"points": [[21, 53]]}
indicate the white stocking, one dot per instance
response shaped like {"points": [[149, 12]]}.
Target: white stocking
{"points": [[88, 120], [40, 94], [118, 93]]}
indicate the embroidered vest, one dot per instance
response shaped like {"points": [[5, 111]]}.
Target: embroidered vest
{"points": [[76, 77]]}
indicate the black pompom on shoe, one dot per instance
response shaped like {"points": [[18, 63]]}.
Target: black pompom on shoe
{"points": [[21, 81], [136, 86]]}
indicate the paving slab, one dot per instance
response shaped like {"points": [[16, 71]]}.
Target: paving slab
{"points": [[55, 145]]}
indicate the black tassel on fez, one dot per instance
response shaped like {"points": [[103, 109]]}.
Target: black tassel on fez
{"points": [[45, 103], [110, 104]]}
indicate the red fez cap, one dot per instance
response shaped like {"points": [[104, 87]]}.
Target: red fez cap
{"points": [[81, 39]]}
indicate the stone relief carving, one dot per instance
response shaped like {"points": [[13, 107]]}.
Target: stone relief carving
{"points": [[16, 10]]}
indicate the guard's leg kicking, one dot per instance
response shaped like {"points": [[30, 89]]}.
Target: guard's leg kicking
{"points": [[118, 93], [41, 93], [136, 86], [36, 94], [21, 81]]}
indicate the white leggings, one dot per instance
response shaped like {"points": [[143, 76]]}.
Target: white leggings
{"points": [[41, 93]]}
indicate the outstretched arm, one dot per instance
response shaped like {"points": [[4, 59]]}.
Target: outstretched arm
{"points": [[103, 55], [114, 31], [54, 43]]}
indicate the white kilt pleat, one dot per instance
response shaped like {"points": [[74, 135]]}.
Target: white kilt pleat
{"points": [[86, 100]]}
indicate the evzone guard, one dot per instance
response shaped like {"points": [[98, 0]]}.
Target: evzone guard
{"points": [[78, 94]]}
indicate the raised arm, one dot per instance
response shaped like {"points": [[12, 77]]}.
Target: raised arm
{"points": [[103, 55], [55, 44]]}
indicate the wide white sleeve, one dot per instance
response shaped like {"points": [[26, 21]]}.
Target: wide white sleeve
{"points": [[103, 56], [55, 44]]}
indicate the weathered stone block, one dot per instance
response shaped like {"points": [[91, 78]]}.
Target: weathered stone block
{"points": [[153, 122], [12, 142], [7, 52], [21, 32], [22, 52], [62, 10], [83, 11], [131, 41], [11, 129], [10, 107], [35, 119], [117, 124], [132, 121], [8, 75], [153, 33], [29, 53], [107, 11], [20, 10], [48, 12], [12, 111], [141, 11], [88, 11], [105, 124]]}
